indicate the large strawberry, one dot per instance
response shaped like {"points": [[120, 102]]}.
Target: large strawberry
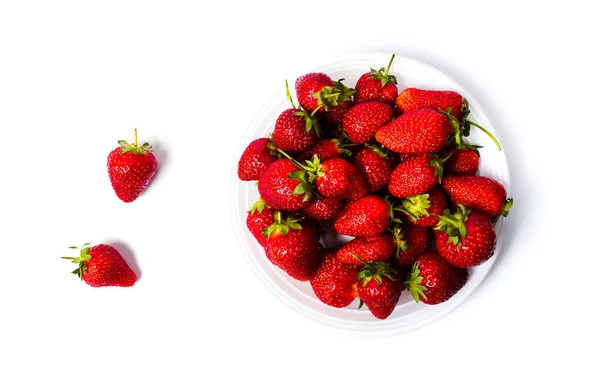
{"points": [[410, 242], [334, 282], [258, 219], [375, 165], [255, 159], [131, 168], [293, 246], [419, 131], [422, 210], [322, 209], [377, 86], [465, 238], [378, 289], [416, 175], [102, 265], [367, 216], [364, 119], [282, 186], [412, 99], [433, 280], [367, 248], [478, 193]]}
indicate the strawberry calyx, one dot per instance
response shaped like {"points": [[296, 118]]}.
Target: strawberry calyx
{"points": [[413, 284], [259, 206], [341, 145], [401, 245], [438, 164], [383, 74], [134, 148], [346, 93], [379, 149], [508, 203], [374, 270], [454, 224], [464, 128], [332, 96], [415, 206], [282, 226], [309, 118], [84, 256], [392, 209]]}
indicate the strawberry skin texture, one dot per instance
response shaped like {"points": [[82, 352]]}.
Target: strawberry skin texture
{"points": [[277, 189], [463, 161], [337, 178], [413, 99], [358, 186], [475, 192], [476, 248], [324, 149], [106, 267], [439, 203], [334, 282], [368, 216], [324, 209], [255, 159], [368, 248], [129, 173], [370, 89], [309, 84], [335, 115], [416, 241], [441, 279], [418, 131], [380, 299], [296, 253], [290, 132], [257, 222], [374, 168], [414, 176], [364, 119]]}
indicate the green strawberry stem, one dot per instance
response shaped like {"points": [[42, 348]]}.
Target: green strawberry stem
{"points": [[401, 245], [311, 120], [281, 225], [413, 284], [80, 261], [486, 132], [387, 69], [134, 148], [288, 95], [508, 203], [454, 224], [384, 76]]}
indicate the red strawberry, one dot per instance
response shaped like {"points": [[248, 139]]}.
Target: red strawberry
{"points": [[259, 218], [478, 193], [368, 216], [317, 92], [334, 177], [466, 238], [131, 169], [413, 99], [334, 282], [377, 86], [433, 280], [281, 191], [325, 149], [293, 247], [367, 248], [377, 288], [358, 186], [324, 209], [422, 209], [416, 175], [463, 161], [257, 156], [335, 115], [375, 166], [102, 265], [410, 243], [419, 131], [337, 105], [364, 119]]}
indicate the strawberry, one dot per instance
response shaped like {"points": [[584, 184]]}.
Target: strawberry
{"points": [[325, 149], [334, 282], [416, 175], [463, 161], [377, 86], [422, 209], [418, 131], [102, 265], [334, 177], [324, 209], [466, 238], [364, 119], [378, 289], [293, 247], [433, 280], [255, 159], [410, 242], [367, 216], [376, 166], [358, 186], [335, 115], [259, 218], [318, 92], [131, 169], [478, 193], [412, 99], [282, 186], [367, 248]]}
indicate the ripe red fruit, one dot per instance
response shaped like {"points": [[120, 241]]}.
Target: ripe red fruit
{"points": [[377, 86], [280, 191], [375, 166], [358, 186], [334, 177], [378, 289], [410, 243], [433, 280], [258, 219], [325, 149], [255, 159], [419, 131], [324, 209], [101, 266], [131, 169], [368, 216], [463, 161], [292, 133], [413, 99], [334, 282], [422, 209], [317, 92], [335, 115], [367, 248], [416, 175], [364, 119], [466, 238], [478, 193]]}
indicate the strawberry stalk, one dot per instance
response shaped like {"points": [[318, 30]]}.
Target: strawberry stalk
{"points": [[508, 203], [413, 284], [282, 226], [486, 132], [463, 128], [384, 76], [309, 118], [84, 256], [134, 148]]}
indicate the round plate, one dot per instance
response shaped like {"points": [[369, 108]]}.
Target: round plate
{"points": [[408, 315]]}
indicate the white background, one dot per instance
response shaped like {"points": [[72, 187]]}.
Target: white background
{"points": [[77, 76]]}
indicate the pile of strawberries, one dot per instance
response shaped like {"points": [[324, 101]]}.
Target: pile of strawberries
{"points": [[391, 170]]}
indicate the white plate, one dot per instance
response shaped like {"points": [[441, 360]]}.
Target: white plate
{"points": [[408, 315]]}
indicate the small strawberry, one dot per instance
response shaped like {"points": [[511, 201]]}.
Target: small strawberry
{"points": [[418, 131], [334, 282], [375, 165], [463, 161], [478, 193], [416, 175], [334, 114], [259, 218], [410, 243], [325, 149], [364, 119], [412, 99], [466, 238], [334, 177], [324, 209], [318, 92], [377, 86], [282, 186], [422, 209], [101, 266], [293, 246], [367, 248], [368, 216], [378, 289], [433, 280], [255, 159], [131, 169]]}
